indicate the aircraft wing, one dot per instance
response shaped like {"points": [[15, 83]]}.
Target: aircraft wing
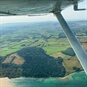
{"points": [[26, 7]]}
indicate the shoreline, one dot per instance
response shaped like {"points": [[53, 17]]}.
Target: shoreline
{"points": [[63, 78], [60, 78]]}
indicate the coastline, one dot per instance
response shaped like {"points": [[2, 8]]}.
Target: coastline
{"points": [[60, 78], [66, 77], [45, 82]]}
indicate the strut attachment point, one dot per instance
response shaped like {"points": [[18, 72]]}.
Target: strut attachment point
{"points": [[76, 7]]}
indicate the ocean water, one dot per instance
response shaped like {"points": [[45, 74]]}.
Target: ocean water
{"points": [[74, 80]]}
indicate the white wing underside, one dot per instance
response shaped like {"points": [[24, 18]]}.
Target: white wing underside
{"points": [[26, 7]]}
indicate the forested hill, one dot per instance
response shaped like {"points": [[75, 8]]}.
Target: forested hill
{"points": [[32, 62]]}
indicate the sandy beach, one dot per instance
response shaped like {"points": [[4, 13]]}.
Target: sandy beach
{"points": [[66, 77], [5, 82]]}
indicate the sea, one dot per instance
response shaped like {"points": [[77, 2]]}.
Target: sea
{"points": [[74, 80]]}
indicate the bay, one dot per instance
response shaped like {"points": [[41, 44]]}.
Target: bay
{"points": [[73, 80]]}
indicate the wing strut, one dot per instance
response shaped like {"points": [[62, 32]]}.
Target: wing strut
{"points": [[80, 52]]}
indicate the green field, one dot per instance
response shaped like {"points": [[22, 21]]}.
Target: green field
{"points": [[46, 35]]}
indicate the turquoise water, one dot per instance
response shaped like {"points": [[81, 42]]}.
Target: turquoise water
{"points": [[74, 80]]}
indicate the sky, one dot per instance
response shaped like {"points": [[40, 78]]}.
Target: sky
{"points": [[68, 14]]}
